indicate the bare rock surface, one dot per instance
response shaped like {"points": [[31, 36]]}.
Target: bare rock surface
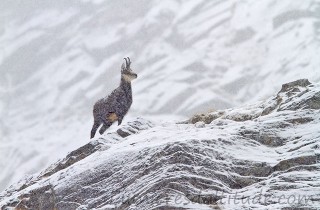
{"points": [[259, 156]]}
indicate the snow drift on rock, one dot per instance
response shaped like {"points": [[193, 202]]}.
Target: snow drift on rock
{"points": [[58, 57], [244, 158]]}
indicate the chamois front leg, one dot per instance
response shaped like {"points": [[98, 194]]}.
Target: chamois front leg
{"points": [[120, 120]]}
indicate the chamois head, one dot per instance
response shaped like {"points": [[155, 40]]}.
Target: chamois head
{"points": [[126, 72]]}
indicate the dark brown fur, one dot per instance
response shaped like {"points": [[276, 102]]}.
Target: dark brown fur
{"points": [[115, 106]]}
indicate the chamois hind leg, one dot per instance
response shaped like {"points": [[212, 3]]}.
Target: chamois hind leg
{"points": [[95, 126], [104, 127], [111, 117]]}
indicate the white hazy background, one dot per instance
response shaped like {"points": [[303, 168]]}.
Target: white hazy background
{"points": [[58, 57]]}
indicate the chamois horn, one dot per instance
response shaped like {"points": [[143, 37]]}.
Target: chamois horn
{"points": [[129, 61], [126, 62]]}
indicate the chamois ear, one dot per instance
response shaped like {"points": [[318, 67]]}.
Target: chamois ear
{"points": [[123, 67]]}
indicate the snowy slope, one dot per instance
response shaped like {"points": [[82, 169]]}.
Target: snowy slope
{"points": [[265, 162], [57, 58]]}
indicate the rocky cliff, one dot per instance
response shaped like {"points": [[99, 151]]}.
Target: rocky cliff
{"points": [[259, 156], [58, 57]]}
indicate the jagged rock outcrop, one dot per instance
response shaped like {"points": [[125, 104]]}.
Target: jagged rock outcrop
{"points": [[192, 56], [260, 156]]}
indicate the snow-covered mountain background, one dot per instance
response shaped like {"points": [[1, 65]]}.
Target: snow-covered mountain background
{"points": [[57, 58]]}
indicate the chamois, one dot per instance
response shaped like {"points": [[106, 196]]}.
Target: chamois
{"points": [[115, 106]]}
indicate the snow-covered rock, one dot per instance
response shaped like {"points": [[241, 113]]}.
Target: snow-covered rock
{"points": [[259, 156], [58, 57]]}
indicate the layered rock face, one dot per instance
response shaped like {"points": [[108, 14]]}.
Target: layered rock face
{"points": [[58, 57], [260, 156]]}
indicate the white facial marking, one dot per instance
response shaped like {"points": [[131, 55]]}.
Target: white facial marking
{"points": [[128, 78]]}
